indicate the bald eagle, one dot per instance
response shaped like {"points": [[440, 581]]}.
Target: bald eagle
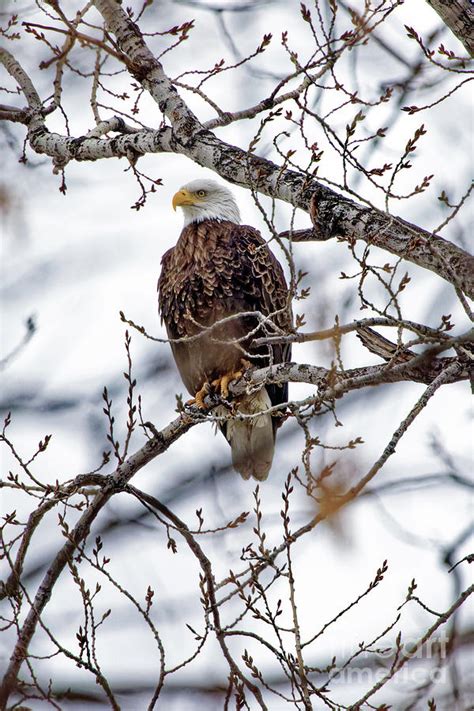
{"points": [[218, 270]]}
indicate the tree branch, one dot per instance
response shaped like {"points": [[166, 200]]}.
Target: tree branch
{"points": [[340, 216], [458, 15], [421, 369], [443, 378], [21, 77], [147, 69], [206, 567], [331, 384], [407, 654], [122, 475]]}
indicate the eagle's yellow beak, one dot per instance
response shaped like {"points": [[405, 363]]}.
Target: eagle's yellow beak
{"points": [[183, 197]]}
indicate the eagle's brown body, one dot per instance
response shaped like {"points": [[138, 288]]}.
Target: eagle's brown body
{"points": [[216, 270]]}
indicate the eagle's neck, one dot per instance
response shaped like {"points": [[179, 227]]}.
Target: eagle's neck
{"points": [[225, 209]]}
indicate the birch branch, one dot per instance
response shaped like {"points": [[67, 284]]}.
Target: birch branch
{"points": [[147, 69], [21, 77], [458, 15], [335, 383], [336, 215]]}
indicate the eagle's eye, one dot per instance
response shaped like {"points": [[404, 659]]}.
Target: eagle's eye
{"points": [[201, 193]]}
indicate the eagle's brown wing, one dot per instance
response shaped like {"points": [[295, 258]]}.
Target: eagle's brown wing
{"points": [[261, 278]]}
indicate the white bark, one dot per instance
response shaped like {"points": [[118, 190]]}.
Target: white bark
{"points": [[338, 216], [341, 216], [458, 15]]}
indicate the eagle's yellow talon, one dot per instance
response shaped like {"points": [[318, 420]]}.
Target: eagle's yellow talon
{"points": [[225, 380], [221, 385], [199, 397]]}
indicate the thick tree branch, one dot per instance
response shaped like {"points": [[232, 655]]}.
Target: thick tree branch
{"points": [[343, 218], [21, 77], [147, 69], [421, 369], [340, 216], [458, 15], [11, 113]]}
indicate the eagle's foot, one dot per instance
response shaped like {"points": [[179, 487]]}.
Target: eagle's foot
{"points": [[221, 385], [199, 397]]}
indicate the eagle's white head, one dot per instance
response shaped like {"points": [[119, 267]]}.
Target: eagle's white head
{"points": [[206, 200]]}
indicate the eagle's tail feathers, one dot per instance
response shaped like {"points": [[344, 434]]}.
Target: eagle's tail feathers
{"points": [[252, 440]]}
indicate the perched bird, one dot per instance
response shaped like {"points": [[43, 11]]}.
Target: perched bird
{"points": [[218, 270]]}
